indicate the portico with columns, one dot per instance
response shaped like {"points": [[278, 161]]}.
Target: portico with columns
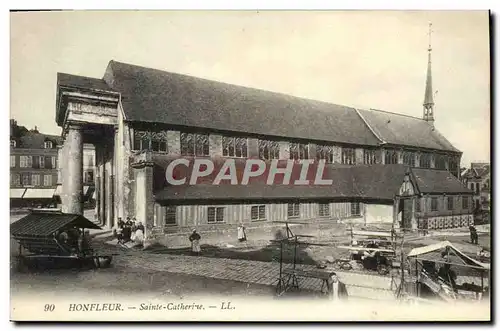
{"points": [[94, 116]]}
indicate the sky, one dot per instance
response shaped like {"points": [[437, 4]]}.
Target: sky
{"points": [[364, 59]]}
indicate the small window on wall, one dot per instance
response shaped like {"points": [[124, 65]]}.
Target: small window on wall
{"points": [[348, 156], [293, 210], [440, 162], [409, 158], [418, 207], [234, 147], [299, 151], [450, 203], [391, 156], [324, 209], [324, 153], [258, 213], [369, 156], [47, 180], [158, 145], [425, 160], [465, 202], [434, 204], [194, 144], [269, 150], [171, 216], [150, 141], [355, 209], [215, 214]]}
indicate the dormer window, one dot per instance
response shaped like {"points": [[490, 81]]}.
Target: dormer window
{"points": [[47, 145], [13, 143]]}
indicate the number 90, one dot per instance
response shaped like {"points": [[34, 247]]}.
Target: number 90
{"points": [[49, 307]]}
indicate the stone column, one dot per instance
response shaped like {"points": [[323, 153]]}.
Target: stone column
{"points": [[73, 175], [108, 170], [117, 176], [63, 164], [144, 201], [102, 186]]}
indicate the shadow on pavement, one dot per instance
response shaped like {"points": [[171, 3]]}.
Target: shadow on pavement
{"points": [[268, 253]]}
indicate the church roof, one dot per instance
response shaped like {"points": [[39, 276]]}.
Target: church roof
{"points": [[378, 182], [155, 96], [150, 95], [434, 181], [405, 130]]}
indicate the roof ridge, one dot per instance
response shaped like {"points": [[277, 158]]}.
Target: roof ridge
{"points": [[369, 126], [393, 113], [212, 80]]}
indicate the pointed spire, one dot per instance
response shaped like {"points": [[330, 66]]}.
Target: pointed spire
{"points": [[429, 95]]}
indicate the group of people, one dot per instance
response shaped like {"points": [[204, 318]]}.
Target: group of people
{"points": [[129, 231], [75, 241]]}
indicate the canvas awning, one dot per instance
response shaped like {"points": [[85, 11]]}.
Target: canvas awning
{"points": [[39, 193], [423, 251], [17, 193]]}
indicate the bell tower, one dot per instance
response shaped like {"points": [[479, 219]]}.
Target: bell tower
{"points": [[429, 97]]}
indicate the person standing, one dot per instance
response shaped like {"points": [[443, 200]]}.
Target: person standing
{"points": [[242, 236], [195, 238], [473, 235], [336, 289]]}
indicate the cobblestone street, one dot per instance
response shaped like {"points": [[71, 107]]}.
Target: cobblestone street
{"points": [[247, 271]]}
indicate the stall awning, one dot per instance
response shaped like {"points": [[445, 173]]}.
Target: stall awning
{"points": [[58, 190], [17, 193], [86, 190], [425, 251], [39, 193], [42, 223]]}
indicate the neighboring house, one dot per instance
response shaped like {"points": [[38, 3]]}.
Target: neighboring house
{"points": [[33, 166], [478, 179], [139, 119]]}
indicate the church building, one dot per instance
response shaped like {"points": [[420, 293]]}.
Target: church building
{"points": [[141, 119]]}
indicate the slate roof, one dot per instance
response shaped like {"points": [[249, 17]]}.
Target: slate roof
{"points": [[477, 170], [150, 95], [438, 181], [363, 182], [405, 130], [68, 80], [35, 140], [155, 96]]}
